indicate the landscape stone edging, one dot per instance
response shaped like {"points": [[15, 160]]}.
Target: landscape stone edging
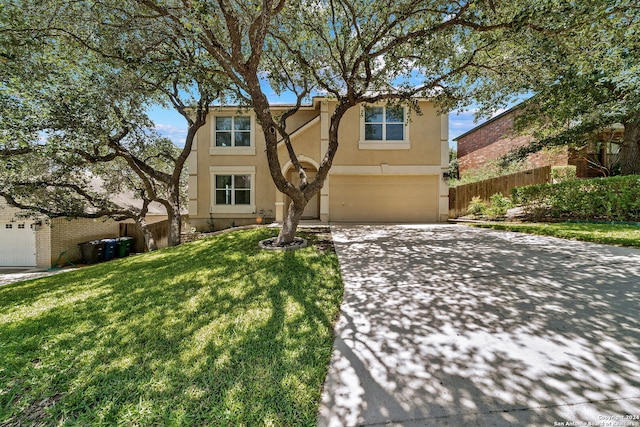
{"points": [[298, 243]]}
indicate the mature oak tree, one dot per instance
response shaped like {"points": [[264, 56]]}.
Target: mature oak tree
{"points": [[354, 51], [584, 80], [82, 87]]}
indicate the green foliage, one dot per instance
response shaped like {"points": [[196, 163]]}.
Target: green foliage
{"points": [[477, 207], [586, 80], [454, 170], [609, 199], [610, 234], [214, 332], [491, 169], [563, 173], [497, 207]]}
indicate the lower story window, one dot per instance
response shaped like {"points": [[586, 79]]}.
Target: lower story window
{"points": [[233, 190]]}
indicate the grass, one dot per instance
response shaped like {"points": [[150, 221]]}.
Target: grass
{"points": [[214, 332], [610, 234]]}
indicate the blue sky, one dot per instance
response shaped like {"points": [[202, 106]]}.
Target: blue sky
{"points": [[173, 126]]}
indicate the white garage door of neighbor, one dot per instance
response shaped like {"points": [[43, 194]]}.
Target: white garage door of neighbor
{"points": [[17, 245], [356, 198]]}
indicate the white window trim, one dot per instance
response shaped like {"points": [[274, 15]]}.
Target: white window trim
{"points": [[232, 151], [232, 170], [364, 144]]}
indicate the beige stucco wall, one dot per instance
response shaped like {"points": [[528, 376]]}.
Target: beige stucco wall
{"points": [[202, 160], [423, 133], [426, 156]]}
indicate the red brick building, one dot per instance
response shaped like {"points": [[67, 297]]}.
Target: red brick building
{"points": [[496, 138]]}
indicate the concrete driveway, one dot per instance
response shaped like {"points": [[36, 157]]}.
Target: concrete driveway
{"points": [[20, 274], [458, 326]]}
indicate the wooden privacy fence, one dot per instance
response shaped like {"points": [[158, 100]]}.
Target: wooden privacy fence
{"points": [[460, 197], [159, 230]]}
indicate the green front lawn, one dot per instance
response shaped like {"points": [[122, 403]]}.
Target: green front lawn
{"points": [[214, 332], [611, 234]]}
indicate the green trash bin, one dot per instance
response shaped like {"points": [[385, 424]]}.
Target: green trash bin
{"points": [[123, 246]]}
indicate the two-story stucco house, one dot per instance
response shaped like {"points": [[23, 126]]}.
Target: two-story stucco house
{"points": [[389, 166]]}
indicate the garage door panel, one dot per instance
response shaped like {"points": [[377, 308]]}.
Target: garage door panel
{"points": [[361, 198], [17, 245]]}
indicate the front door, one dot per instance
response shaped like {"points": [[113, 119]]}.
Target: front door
{"points": [[311, 211]]}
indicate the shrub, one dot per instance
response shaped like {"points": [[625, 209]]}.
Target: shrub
{"points": [[498, 206], [603, 199], [477, 207], [563, 173]]}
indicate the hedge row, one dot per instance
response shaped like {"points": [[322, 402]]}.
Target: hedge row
{"points": [[603, 199]]}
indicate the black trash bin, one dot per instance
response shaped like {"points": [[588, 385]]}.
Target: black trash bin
{"points": [[123, 246], [109, 249], [92, 251]]}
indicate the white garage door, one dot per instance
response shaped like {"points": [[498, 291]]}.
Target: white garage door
{"points": [[17, 245], [373, 198]]}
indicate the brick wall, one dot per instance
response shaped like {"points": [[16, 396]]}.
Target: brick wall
{"points": [[492, 131], [43, 246], [495, 139], [7, 213], [66, 234]]}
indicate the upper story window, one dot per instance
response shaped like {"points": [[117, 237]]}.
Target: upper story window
{"points": [[234, 131], [384, 123], [232, 135], [384, 128]]}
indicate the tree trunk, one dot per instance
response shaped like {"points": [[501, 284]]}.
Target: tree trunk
{"points": [[290, 223], [175, 220], [630, 150], [173, 213], [149, 241]]}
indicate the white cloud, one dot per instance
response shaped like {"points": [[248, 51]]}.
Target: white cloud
{"points": [[176, 134], [498, 112]]}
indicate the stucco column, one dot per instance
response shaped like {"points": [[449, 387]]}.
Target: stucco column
{"points": [[324, 146], [192, 164], [443, 203], [279, 206]]}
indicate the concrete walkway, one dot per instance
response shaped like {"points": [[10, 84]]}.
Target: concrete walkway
{"points": [[447, 325], [20, 274]]}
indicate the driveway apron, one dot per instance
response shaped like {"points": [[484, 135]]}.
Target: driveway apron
{"points": [[453, 325]]}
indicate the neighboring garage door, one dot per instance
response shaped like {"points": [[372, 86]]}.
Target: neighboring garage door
{"points": [[17, 245], [375, 198]]}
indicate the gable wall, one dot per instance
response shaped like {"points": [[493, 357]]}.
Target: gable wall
{"points": [[424, 135], [498, 130], [496, 139]]}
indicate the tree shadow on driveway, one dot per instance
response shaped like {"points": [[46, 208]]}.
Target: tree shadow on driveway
{"points": [[449, 325]]}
